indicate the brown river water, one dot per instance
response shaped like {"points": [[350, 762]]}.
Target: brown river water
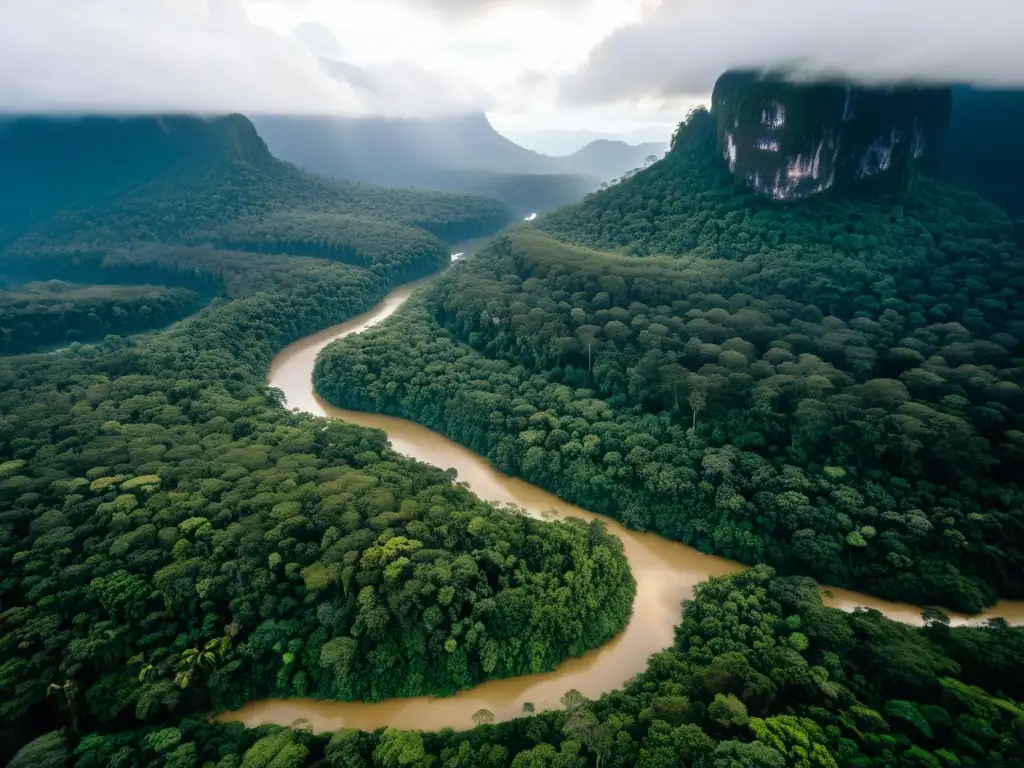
{"points": [[665, 571]]}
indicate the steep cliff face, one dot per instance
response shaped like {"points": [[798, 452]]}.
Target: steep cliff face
{"points": [[133, 147], [48, 164], [789, 141]]}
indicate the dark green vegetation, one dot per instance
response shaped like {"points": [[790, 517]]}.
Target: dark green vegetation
{"points": [[832, 388], [761, 676], [525, 193], [85, 186], [36, 315], [174, 542], [455, 153]]}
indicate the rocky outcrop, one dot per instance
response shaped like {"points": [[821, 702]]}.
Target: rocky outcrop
{"points": [[790, 141]]}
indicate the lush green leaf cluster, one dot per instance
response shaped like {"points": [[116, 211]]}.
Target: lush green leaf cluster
{"points": [[833, 387], [36, 315]]}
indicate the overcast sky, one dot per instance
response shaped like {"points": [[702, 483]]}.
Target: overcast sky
{"points": [[607, 65]]}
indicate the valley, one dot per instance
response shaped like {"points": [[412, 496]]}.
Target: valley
{"points": [[689, 472], [459, 153], [666, 573]]}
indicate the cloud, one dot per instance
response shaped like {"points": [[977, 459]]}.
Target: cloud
{"points": [[405, 89], [478, 8], [531, 78], [134, 56], [318, 38], [197, 56], [682, 46]]}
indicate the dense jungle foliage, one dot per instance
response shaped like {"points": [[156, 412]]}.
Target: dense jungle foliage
{"points": [[833, 388], [36, 315], [761, 676], [174, 542]]}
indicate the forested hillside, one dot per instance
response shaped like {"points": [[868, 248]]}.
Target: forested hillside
{"points": [[761, 676], [36, 315], [524, 193], [832, 387], [174, 542], [88, 184]]}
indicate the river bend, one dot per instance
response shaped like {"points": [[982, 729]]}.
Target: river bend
{"points": [[665, 571]]}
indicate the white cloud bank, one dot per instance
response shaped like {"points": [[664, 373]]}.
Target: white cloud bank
{"points": [[478, 8], [682, 46], [194, 56], [205, 56], [402, 88], [318, 38], [117, 56]]}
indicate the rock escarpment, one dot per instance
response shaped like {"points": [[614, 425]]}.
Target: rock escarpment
{"points": [[790, 141]]}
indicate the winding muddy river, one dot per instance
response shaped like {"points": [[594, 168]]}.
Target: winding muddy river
{"points": [[665, 571]]}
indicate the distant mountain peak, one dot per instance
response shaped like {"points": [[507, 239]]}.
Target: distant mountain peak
{"points": [[443, 151]]}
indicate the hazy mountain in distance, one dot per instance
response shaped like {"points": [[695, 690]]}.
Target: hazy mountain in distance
{"points": [[559, 143], [386, 146], [605, 160], [461, 152], [456, 151], [467, 142]]}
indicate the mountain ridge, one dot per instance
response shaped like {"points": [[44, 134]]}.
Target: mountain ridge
{"points": [[561, 142], [54, 162], [452, 152], [88, 185]]}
